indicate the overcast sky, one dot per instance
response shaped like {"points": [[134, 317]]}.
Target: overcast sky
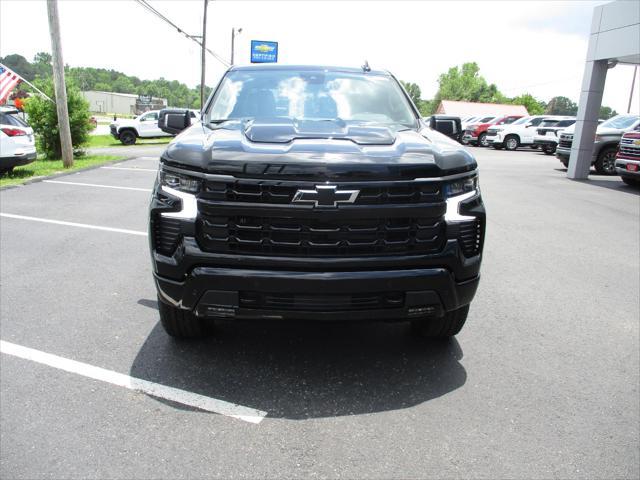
{"points": [[537, 47]]}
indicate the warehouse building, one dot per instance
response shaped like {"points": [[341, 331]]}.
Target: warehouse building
{"points": [[122, 103]]}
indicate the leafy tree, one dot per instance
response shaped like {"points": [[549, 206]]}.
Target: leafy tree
{"points": [[561, 106], [607, 112], [413, 90], [533, 106], [20, 65], [42, 65], [466, 84], [43, 118]]}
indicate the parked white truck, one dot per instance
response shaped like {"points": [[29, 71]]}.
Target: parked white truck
{"points": [[143, 126]]}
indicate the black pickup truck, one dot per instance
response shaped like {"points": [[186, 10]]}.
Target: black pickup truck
{"points": [[314, 193]]}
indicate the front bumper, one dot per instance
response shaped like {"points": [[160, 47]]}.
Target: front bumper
{"points": [[622, 168], [544, 142], [223, 292]]}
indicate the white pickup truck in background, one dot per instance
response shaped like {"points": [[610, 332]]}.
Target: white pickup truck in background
{"points": [[143, 126]]}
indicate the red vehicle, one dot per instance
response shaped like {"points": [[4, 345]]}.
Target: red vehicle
{"points": [[476, 133]]}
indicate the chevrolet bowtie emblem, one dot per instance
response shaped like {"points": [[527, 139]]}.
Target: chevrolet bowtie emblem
{"points": [[326, 196]]}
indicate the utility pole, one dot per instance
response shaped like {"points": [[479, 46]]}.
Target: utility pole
{"points": [[204, 50], [59, 84], [234, 32], [633, 84]]}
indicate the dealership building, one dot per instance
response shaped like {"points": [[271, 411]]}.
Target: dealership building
{"points": [[614, 39]]}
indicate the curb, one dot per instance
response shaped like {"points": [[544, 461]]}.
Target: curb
{"points": [[64, 174]]}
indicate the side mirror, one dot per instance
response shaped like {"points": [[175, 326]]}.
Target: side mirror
{"points": [[449, 126], [174, 120]]}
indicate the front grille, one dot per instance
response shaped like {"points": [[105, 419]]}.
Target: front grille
{"points": [[320, 302], [166, 233], [565, 141], [470, 238], [309, 236], [629, 151], [281, 193]]}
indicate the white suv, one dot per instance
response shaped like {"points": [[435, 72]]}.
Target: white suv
{"points": [[520, 133], [17, 144]]}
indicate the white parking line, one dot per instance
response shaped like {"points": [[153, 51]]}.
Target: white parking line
{"points": [[72, 224], [155, 389], [98, 185], [132, 168]]}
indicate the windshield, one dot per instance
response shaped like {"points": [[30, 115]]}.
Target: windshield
{"points": [[311, 95], [621, 121], [565, 123], [521, 121]]}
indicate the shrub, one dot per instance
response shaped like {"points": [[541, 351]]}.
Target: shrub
{"points": [[43, 118]]}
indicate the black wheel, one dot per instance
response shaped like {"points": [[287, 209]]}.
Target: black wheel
{"points": [[181, 323], [606, 162], [441, 327], [535, 147], [128, 137], [565, 161], [631, 181], [482, 140], [497, 147], [511, 142], [549, 150]]}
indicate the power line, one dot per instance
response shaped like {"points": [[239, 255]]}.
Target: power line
{"points": [[151, 9]]}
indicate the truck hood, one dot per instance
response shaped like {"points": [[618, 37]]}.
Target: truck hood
{"points": [[317, 150], [599, 131]]}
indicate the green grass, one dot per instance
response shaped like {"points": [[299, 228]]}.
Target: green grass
{"points": [[41, 168], [109, 141]]}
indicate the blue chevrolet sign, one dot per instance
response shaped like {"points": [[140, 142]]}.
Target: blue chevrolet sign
{"points": [[264, 52]]}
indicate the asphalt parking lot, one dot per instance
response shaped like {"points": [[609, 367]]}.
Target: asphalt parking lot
{"points": [[542, 382]]}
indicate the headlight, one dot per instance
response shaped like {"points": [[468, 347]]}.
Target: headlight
{"points": [[498, 129], [178, 181], [461, 186]]}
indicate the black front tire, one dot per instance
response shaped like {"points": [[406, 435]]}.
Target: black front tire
{"points": [[482, 140], [606, 162], [549, 150], [442, 327], [181, 323], [128, 137]]}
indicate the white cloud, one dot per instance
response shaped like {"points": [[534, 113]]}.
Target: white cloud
{"points": [[538, 47]]}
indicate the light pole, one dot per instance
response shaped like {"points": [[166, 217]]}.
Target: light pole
{"points": [[204, 47], [234, 32]]}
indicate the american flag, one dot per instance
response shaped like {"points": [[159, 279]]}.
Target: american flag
{"points": [[8, 81]]}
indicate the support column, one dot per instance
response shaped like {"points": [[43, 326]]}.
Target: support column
{"points": [[593, 80]]}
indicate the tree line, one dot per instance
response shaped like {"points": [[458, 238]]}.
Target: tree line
{"points": [[463, 83], [88, 78], [466, 84]]}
